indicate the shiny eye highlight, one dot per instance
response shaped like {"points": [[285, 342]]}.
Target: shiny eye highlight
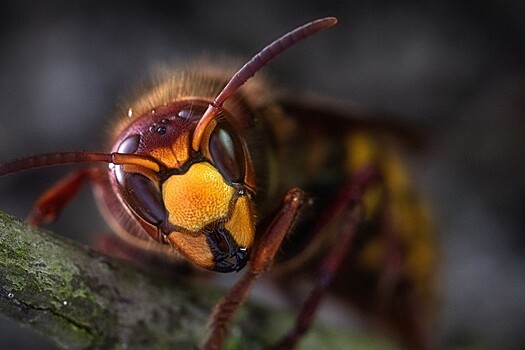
{"points": [[226, 152], [130, 144], [140, 193], [191, 113], [143, 197]]}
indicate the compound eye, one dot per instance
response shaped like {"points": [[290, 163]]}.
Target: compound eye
{"points": [[191, 113], [227, 152], [143, 197], [130, 144], [138, 191]]}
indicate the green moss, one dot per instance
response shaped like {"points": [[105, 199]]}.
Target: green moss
{"points": [[80, 299], [40, 266]]}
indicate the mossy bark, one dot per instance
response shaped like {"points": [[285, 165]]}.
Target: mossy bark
{"points": [[81, 299]]}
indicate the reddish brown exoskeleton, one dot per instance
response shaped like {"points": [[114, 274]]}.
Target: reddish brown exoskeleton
{"points": [[215, 169]]}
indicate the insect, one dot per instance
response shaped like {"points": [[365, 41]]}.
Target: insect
{"points": [[215, 169]]}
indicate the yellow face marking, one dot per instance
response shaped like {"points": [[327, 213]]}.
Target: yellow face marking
{"points": [[132, 159], [241, 224], [193, 247], [196, 198], [176, 155]]}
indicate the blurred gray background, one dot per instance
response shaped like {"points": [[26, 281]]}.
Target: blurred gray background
{"points": [[458, 69]]}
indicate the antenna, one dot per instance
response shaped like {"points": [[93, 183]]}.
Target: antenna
{"points": [[252, 66], [246, 72], [44, 160]]}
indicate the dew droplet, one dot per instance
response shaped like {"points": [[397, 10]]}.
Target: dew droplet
{"points": [[65, 302], [10, 295]]}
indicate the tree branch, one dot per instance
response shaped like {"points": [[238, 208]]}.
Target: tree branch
{"points": [[81, 299]]}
